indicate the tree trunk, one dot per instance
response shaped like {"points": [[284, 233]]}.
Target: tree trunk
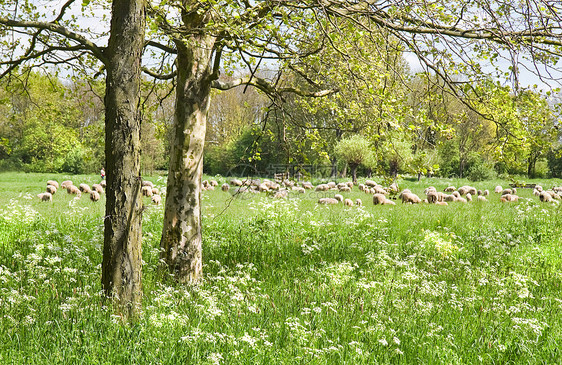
{"points": [[122, 261], [181, 234], [354, 172]]}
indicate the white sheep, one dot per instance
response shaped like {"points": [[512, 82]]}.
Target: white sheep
{"points": [[348, 202], [51, 189], [410, 198], [468, 197], [236, 182], [156, 199], [53, 183], [146, 190], [98, 188], [545, 197], [155, 191], [370, 183], [45, 197], [85, 188], [327, 201], [449, 189], [358, 202], [147, 183], [338, 197], [225, 187], [482, 198], [432, 197], [94, 196], [65, 184], [103, 184], [214, 183], [73, 190], [498, 189]]}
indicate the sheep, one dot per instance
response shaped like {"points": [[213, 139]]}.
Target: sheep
{"points": [[553, 194], [51, 189], [498, 189], [448, 198], [362, 187], [350, 184], [557, 189], [73, 190], [539, 188], [460, 199], [98, 188], [94, 196], [345, 189], [210, 187], [103, 184], [393, 188], [370, 183], [148, 183], [463, 190], [379, 199], [514, 191], [449, 189], [536, 192], [468, 197], [45, 197], [65, 184], [429, 190], [322, 187], [53, 183], [155, 191], [146, 191], [405, 191], [432, 197], [331, 185], [307, 186], [327, 201], [479, 192], [358, 202], [281, 194], [509, 198], [456, 194], [288, 183], [156, 199], [545, 197], [379, 190], [214, 183], [389, 202], [486, 192], [205, 183], [235, 182], [85, 188], [482, 198], [441, 203], [410, 198], [298, 189], [348, 202], [225, 187], [506, 191], [338, 197]]}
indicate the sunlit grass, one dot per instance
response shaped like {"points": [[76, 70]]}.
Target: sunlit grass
{"points": [[288, 281]]}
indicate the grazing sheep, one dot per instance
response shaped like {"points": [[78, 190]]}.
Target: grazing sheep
{"points": [[98, 188], [429, 190], [73, 190], [506, 191], [85, 188], [358, 202], [327, 201], [103, 184], [393, 188], [449, 189], [236, 182], [148, 183], [498, 189], [463, 190], [146, 191], [362, 187], [468, 197], [338, 197], [298, 189], [557, 189], [155, 191], [51, 189], [514, 191], [350, 184], [448, 198], [332, 185], [322, 187], [509, 198], [405, 191], [379, 199], [545, 197], [432, 197], [94, 196], [536, 192], [53, 183], [410, 198], [225, 187], [205, 183], [348, 202], [539, 188], [482, 198], [370, 183], [307, 186], [379, 190], [210, 187], [486, 192], [65, 184], [456, 194], [45, 197], [479, 192], [281, 194], [156, 199], [345, 189], [460, 199], [441, 203], [214, 183]]}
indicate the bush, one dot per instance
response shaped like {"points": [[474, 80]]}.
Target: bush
{"points": [[74, 162], [481, 172]]}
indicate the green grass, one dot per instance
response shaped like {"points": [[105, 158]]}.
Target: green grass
{"points": [[290, 282]]}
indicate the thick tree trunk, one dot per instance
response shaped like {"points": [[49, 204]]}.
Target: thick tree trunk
{"points": [[181, 234], [122, 261], [354, 172]]}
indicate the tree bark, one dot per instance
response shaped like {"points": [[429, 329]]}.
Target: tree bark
{"points": [[181, 235], [122, 261], [354, 172]]}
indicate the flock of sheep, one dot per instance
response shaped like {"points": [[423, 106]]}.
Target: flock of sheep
{"points": [[94, 191], [380, 194]]}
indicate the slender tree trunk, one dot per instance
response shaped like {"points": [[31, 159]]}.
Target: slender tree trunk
{"points": [[354, 172], [181, 234], [121, 267]]}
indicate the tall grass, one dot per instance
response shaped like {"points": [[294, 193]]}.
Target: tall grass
{"points": [[288, 281]]}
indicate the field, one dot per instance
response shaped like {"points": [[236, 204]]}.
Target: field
{"points": [[290, 282]]}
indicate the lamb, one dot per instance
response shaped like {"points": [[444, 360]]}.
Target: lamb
{"points": [[486, 192], [146, 191], [350, 184], [65, 184], [236, 182], [327, 201], [85, 188], [155, 191], [456, 194], [379, 190], [370, 183], [463, 190], [225, 187], [307, 185], [405, 191], [498, 189], [449, 189], [345, 189], [45, 197], [358, 202], [509, 198], [479, 192], [53, 183], [545, 197], [331, 185], [449, 198], [362, 187], [536, 192], [506, 191], [148, 183], [322, 187], [51, 189], [379, 199], [214, 183], [98, 188], [103, 184], [538, 188], [410, 198], [393, 188], [156, 199], [338, 197], [348, 202], [468, 197], [94, 196], [429, 190]]}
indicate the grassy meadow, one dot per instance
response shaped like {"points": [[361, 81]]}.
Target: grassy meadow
{"points": [[290, 282]]}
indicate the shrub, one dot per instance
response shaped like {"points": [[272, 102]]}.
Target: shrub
{"points": [[481, 172]]}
